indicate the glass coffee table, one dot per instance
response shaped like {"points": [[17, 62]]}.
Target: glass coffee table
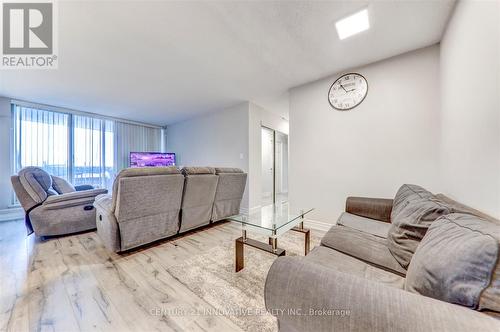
{"points": [[271, 220]]}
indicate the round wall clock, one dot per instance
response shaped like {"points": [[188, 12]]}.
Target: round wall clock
{"points": [[348, 91]]}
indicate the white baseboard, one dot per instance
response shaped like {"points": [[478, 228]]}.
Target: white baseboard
{"points": [[11, 214], [317, 225]]}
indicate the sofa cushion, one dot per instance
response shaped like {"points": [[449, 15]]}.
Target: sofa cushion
{"points": [[367, 225], [139, 171], [198, 170], [462, 208], [406, 194], [198, 200], [366, 247], [62, 186], [219, 170], [36, 182], [344, 263], [410, 226], [229, 193], [458, 261]]}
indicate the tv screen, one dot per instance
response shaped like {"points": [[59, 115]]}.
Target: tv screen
{"points": [[152, 159]]}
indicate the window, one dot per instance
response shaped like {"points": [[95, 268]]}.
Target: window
{"points": [[92, 151], [41, 139], [79, 148]]}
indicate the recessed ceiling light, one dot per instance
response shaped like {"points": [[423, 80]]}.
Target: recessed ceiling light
{"points": [[353, 24]]}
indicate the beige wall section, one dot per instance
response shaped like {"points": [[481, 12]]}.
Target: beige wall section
{"points": [[470, 86], [5, 123], [214, 139], [259, 117], [388, 140]]}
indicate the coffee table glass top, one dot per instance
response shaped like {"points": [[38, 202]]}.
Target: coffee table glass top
{"points": [[274, 218]]}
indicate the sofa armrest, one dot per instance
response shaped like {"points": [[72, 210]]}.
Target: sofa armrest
{"points": [[306, 296], [107, 225], [75, 198], [104, 203], [84, 187], [374, 208]]}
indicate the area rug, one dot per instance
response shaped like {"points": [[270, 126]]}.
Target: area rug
{"points": [[238, 296]]}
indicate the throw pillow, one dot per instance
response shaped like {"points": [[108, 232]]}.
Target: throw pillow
{"points": [[414, 210], [457, 261]]}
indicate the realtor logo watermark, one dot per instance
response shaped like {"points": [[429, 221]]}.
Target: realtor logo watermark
{"points": [[28, 35]]}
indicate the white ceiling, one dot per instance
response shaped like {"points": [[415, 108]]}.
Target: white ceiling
{"points": [[161, 62]]}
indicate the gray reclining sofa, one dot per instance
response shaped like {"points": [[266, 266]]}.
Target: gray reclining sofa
{"points": [[420, 262], [148, 204], [52, 205]]}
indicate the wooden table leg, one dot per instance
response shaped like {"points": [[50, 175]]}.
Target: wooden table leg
{"points": [[307, 244], [307, 237], [240, 243], [239, 259]]}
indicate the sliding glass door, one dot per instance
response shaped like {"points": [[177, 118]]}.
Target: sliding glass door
{"points": [[92, 155], [274, 166], [79, 148]]}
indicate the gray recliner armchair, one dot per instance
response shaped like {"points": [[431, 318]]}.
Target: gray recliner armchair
{"points": [[52, 205]]}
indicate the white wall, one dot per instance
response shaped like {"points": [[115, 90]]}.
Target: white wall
{"points": [[388, 140], [214, 139], [470, 119], [5, 123], [230, 137]]}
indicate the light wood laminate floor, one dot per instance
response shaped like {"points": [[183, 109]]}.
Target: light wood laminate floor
{"points": [[73, 283]]}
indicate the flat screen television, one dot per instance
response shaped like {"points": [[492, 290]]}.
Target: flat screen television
{"points": [[152, 159]]}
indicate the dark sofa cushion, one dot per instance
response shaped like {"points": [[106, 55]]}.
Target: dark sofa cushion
{"points": [[406, 194], [410, 227], [458, 261], [414, 210], [366, 247]]}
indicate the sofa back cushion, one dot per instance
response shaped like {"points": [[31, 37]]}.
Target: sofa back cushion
{"points": [[414, 210], [229, 193], [147, 208], [458, 262], [406, 194], [139, 171], [142, 196], [199, 193], [61, 186], [197, 170], [221, 170], [36, 182], [22, 194], [462, 208]]}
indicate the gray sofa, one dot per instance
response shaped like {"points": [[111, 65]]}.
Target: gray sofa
{"points": [[52, 205], [148, 204], [420, 262]]}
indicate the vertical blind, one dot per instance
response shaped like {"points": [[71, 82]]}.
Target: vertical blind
{"points": [[134, 138], [80, 148], [92, 151], [41, 139]]}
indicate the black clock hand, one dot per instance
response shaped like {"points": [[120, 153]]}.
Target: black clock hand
{"points": [[343, 88]]}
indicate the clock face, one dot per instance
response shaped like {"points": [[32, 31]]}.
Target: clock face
{"points": [[348, 91]]}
